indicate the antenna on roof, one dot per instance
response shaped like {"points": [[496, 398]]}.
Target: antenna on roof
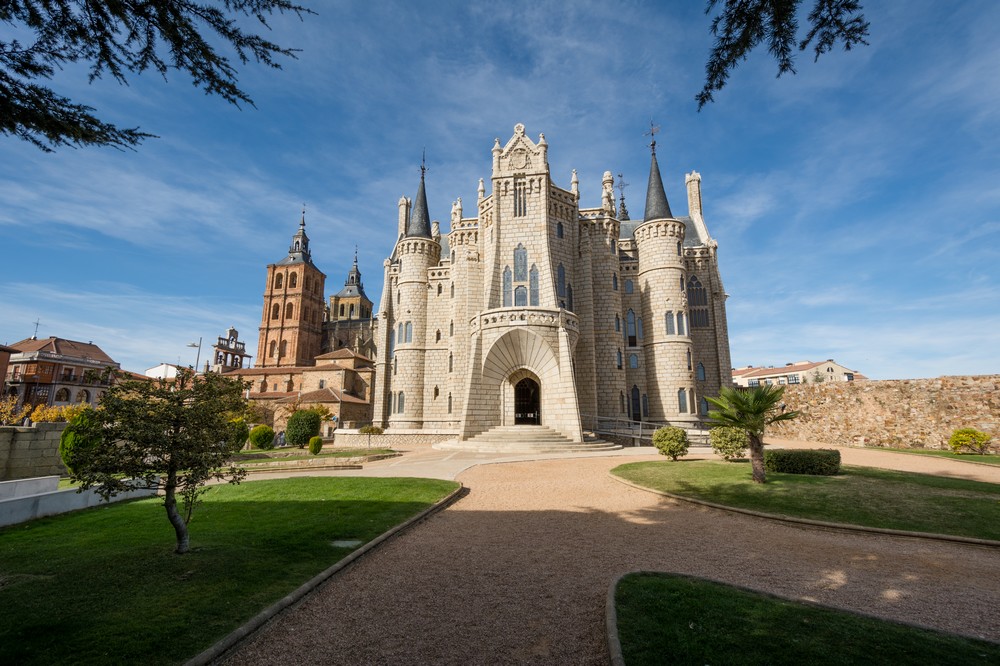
{"points": [[34, 336], [653, 129]]}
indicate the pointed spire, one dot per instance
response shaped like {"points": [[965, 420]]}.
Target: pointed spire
{"points": [[657, 207], [420, 218]]}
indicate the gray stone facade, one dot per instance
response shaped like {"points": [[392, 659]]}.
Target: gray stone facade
{"points": [[536, 311]]}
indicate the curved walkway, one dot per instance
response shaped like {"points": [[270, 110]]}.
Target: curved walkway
{"points": [[517, 571]]}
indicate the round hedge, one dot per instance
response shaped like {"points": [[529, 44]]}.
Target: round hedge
{"points": [[262, 437]]}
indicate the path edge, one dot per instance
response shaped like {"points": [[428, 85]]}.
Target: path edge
{"points": [[252, 625]]}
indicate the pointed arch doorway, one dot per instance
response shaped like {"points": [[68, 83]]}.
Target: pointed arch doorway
{"points": [[527, 402]]}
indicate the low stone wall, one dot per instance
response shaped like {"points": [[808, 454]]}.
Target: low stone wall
{"points": [[30, 451], [21, 509], [394, 440], [904, 413]]}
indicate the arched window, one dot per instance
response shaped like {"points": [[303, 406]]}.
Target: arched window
{"points": [[436, 392], [409, 331], [703, 407], [520, 296], [559, 229], [449, 403], [561, 281], [629, 287], [451, 364], [289, 310], [520, 264], [681, 328], [670, 322], [569, 297], [400, 404], [275, 311], [83, 395], [645, 405], [277, 281], [437, 336], [283, 349], [293, 280], [697, 303], [614, 281], [508, 287], [678, 248], [636, 414], [62, 395], [618, 323], [619, 359], [392, 345], [273, 348], [440, 289], [701, 371], [533, 285], [630, 327], [682, 402], [633, 361]]}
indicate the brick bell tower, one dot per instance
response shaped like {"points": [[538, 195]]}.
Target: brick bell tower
{"points": [[291, 325]]}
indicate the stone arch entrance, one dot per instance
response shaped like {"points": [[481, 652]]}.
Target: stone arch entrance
{"points": [[527, 402]]}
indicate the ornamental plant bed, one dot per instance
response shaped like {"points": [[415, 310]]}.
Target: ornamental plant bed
{"points": [[668, 619], [858, 496]]}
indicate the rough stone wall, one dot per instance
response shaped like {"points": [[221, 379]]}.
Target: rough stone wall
{"points": [[400, 440], [907, 413], [28, 452]]}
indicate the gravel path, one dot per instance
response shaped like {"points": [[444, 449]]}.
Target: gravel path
{"points": [[517, 572]]}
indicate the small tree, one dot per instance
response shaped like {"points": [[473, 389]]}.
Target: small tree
{"points": [[671, 441], [172, 436], [302, 425], [728, 442], [10, 414], [315, 445], [751, 410], [262, 437]]}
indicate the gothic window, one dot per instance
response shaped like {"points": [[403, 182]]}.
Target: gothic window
{"points": [[682, 283], [289, 310], [449, 403], [437, 336], [520, 264], [399, 334], [436, 392], [453, 290], [630, 327], [678, 248], [507, 287], [520, 296], [275, 311], [283, 349], [689, 358], [682, 401], [569, 297], [561, 281], [698, 302], [440, 289], [670, 322], [399, 296], [638, 326], [636, 414], [277, 281], [392, 346], [701, 372], [520, 198], [400, 403], [703, 407], [559, 229], [629, 287], [409, 331], [633, 361], [681, 329], [293, 280], [62, 395], [621, 402], [618, 323], [533, 285], [619, 359], [341, 309], [273, 348], [645, 405], [451, 363], [452, 256], [614, 281]]}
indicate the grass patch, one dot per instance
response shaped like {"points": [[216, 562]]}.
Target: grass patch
{"points": [[665, 619], [254, 457], [988, 459], [103, 585], [858, 496]]}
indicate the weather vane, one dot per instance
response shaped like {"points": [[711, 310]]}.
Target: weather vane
{"points": [[653, 129], [423, 163]]}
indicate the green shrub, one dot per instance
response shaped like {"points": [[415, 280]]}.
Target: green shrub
{"points": [[824, 462], [371, 430], [975, 441], [238, 433], [671, 441], [81, 433], [302, 425], [728, 442], [315, 445], [262, 437]]}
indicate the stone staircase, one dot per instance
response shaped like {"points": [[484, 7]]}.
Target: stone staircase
{"points": [[527, 439]]}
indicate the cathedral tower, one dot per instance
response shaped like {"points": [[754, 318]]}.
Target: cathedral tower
{"points": [[291, 327]]}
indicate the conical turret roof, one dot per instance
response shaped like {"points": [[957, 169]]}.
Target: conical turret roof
{"points": [[657, 207], [419, 224]]}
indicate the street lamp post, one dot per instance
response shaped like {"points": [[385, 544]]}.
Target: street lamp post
{"points": [[198, 356]]}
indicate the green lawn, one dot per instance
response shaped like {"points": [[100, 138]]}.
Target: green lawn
{"points": [[665, 619], [989, 459], [103, 585], [859, 496], [256, 457]]}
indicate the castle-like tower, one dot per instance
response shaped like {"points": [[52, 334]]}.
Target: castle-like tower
{"points": [[291, 327], [539, 312]]}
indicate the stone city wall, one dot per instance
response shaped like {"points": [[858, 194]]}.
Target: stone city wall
{"points": [[903, 413], [31, 451]]}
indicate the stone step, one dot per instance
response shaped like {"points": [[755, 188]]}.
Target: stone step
{"points": [[527, 439]]}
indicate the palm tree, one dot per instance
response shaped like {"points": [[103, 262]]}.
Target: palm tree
{"points": [[751, 410]]}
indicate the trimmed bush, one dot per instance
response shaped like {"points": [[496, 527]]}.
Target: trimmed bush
{"points": [[671, 441], [302, 425], [729, 443], [371, 430], [238, 433], [970, 440], [262, 437], [82, 432], [821, 462], [315, 445]]}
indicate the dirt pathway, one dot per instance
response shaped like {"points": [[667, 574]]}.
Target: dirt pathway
{"points": [[517, 572]]}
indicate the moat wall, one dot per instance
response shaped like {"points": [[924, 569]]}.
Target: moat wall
{"points": [[905, 413]]}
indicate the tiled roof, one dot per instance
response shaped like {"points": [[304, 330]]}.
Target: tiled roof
{"points": [[324, 395], [64, 347]]}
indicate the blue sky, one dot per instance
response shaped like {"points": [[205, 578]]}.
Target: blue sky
{"points": [[856, 204]]}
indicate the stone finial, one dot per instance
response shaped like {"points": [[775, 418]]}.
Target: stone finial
{"points": [[607, 193], [574, 185], [436, 230], [482, 189], [693, 182], [404, 214]]}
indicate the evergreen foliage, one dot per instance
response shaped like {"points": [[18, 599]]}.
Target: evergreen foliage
{"points": [[371, 430], [728, 442], [262, 437], [671, 441], [315, 445], [302, 425], [751, 410], [820, 462]]}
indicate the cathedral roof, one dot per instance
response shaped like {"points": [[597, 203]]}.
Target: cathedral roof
{"points": [[657, 207], [353, 286], [298, 251], [419, 224]]}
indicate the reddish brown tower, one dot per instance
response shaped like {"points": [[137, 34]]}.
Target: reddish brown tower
{"points": [[291, 326]]}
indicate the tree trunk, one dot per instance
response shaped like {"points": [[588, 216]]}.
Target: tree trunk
{"points": [[757, 458], [170, 502]]}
